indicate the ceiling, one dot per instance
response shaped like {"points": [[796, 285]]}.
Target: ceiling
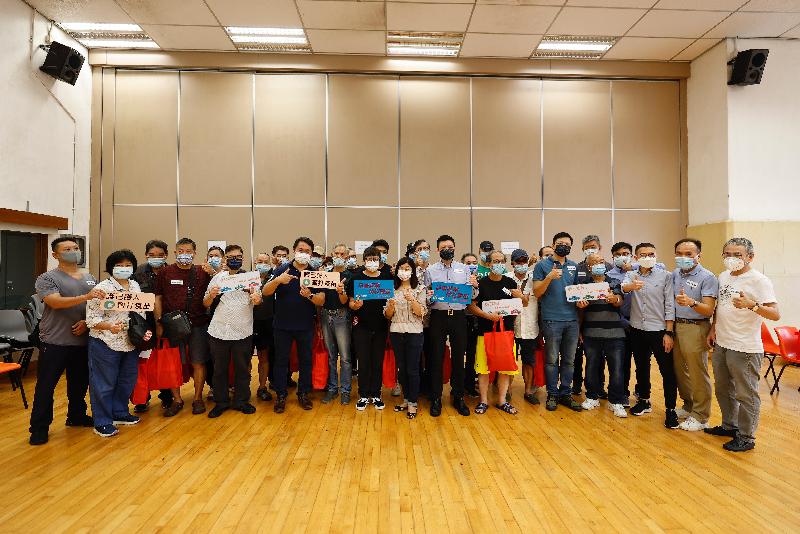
{"points": [[659, 30]]}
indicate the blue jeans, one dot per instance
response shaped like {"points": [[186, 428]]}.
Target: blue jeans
{"points": [[560, 337], [599, 350], [112, 376], [336, 331]]}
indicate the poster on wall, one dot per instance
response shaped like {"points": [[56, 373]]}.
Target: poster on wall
{"points": [[507, 247], [220, 244], [361, 246]]}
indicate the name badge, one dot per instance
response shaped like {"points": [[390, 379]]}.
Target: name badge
{"points": [[458, 270], [176, 282], [571, 267], [581, 273], [692, 284], [90, 282]]}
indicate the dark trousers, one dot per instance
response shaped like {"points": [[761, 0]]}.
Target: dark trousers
{"points": [[578, 373], [222, 352], [54, 360], [283, 347], [444, 324], [472, 342], [370, 348], [598, 352], [645, 343], [407, 354]]}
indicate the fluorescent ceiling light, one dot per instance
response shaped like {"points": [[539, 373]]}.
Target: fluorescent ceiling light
{"points": [[268, 39], [423, 44], [573, 46], [421, 51], [99, 27], [239, 30], [118, 43]]}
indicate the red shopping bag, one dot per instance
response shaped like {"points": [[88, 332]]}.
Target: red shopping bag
{"points": [[538, 370], [319, 364], [447, 365], [389, 368], [141, 390], [499, 345], [164, 369]]}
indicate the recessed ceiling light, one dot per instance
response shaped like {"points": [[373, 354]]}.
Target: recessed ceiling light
{"points": [[239, 30], [99, 27], [268, 39], [423, 44], [573, 46], [102, 35]]}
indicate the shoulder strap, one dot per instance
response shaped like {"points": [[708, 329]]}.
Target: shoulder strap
{"points": [[190, 290]]}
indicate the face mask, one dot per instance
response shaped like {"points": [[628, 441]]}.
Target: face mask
{"points": [[122, 273], [262, 268], [484, 257], [563, 250], [733, 264], [184, 259], [404, 275], [351, 263], [234, 264], [598, 269], [412, 257], [284, 260], [338, 262], [215, 262], [684, 263], [424, 255], [622, 261], [498, 268], [384, 257], [71, 256], [472, 269], [372, 265], [302, 258], [589, 251], [314, 262], [447, 254], [647, 262], [156, 262], [521, 269]]}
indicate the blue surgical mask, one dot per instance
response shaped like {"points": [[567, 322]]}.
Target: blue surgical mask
{"points": [[684, 263], [156, 262], [351, 263], [284, 260], [484, 257], [339, 262], [384, 257], [122, 273], [498, 268], [184, 259], [521, 269], [622, 261], [262, 268], [315, 262], [71, 256], [215, 262], [598, 269], [472, 269], [424, 255]]}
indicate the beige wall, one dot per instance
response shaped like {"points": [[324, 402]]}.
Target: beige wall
{"points": [[258, 159]]}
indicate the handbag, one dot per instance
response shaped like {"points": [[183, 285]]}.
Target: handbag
{"points": [[138, 326], [141, 390], [499, 345], [319, 364], [164, 368], [177, 325]]}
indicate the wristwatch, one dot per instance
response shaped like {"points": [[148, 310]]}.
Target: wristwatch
{"points": [[693, 304], [669, 333], [755, 308]]}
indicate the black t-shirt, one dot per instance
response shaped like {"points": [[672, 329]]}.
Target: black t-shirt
{"points": [[489, 289], [332, 301], [370, 316], [266, 310], [292, 310]]}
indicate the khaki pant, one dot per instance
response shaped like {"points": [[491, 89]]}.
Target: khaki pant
{"points": [[691, 368], [736, 376]]}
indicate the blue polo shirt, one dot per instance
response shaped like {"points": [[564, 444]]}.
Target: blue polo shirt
{"points": [[292, 310], [697, 283], [553, 304]]}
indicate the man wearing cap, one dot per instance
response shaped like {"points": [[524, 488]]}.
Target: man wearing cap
{"points": [[526, 325], [484, 267]]}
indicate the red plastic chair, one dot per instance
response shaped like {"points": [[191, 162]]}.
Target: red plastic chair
{"points": [[771, 350], [789, 342]]}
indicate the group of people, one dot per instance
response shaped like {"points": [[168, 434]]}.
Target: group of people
{"points": [[646, 310]]}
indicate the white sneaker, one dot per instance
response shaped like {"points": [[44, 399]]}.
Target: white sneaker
{"points": [[590, 404], [692, 425], [682, 414], [618, 409]]}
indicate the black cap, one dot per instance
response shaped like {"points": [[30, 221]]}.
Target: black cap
{"points": [[518, 254], [486, 246]]}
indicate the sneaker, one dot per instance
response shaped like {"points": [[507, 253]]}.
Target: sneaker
{"points": [[626, 403], [126, 420], [84, 420], [361, 405], [642, 407], [345, 398], [692, 425], [552, 403], [618, 409], [590, 404], [682, 414], [141, 408], [329, 396], [570, 403], [106, 431], [671, 420], [397, 391], [737, 444], [38, 438], [721, 431], [245, 408], [216, 411], [378, 403]]}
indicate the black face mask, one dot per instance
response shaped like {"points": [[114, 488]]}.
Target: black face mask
{"points": [[563, 250], [234, 264], [447, 254]]}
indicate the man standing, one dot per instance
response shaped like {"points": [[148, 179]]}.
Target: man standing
{"points": [[64, 335], [262, 329], [448, 319], [652, 318], [484, 266], [559, 321], [746, 298], [337, 323], [695, 291]]}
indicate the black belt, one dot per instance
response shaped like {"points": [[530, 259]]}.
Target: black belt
{"points": [[690, 321], [449, 312]]}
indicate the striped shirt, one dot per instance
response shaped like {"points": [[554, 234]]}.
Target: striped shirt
{"points": [[601, 319], [404, 320]]}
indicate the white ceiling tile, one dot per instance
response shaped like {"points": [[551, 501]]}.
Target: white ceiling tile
{"points": [[654, 49], [347, 41], [189, 37], [612, 3], [258, 13], [337, 15], [512, 19], [671, 23], [594, 21], [695, 49], [427, 17], [772, 5], [755, 25], [701, 5], [85, 11], [497, 45], [188, 12]]}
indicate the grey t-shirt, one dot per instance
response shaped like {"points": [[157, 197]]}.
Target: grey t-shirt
{"points": [[56, 325]]}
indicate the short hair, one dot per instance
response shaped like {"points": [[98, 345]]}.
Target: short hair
{"points": [[234, 247], [643, 245], [414, 280], [418, 242], [276, 248], [741, 242], [215, 247], [542, 249], [371, 251], [695, 242], [306, 240], [620, 245], [155, 243], [337, 245], [117, 256], [559, 235], [492, 253], [186, 241], [444, 237], [589, 238], [467, 255], [63, 239], [381, 243]]}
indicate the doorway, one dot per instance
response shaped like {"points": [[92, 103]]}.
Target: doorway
{"points": [[23, 257]]}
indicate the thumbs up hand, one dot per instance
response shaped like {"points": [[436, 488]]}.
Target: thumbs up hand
{"points": [[743, 301], [684, 300]]}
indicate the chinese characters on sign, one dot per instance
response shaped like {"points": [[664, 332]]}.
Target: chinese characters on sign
{"points": [[125, 301], [320, 279], [373, 289]]}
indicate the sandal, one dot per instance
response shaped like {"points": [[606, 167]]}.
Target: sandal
{"points": [[481, 408], [401, 407], [506, 407], [410, 414], [531, 398]]}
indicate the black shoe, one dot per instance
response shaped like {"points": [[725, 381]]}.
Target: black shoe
{"points": [[531, 398], [436, 407], [38, 438], [472, 393], [280, 404], [216, 411], [460, 406], [577, 391], [263, 394], [642, 407], [721, 432], [141, 408], [83, 420], [246, 408], [552, 403], [671, 420], [737, 444], [570, 403], [603, 395]]}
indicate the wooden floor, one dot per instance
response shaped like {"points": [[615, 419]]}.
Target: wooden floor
{"points": [[337, 470]]}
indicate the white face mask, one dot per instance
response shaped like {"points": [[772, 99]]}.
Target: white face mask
{"points": [[302, 258], [733, 264], [589, 251], [647, 262], [372, 265], [404, 274]]}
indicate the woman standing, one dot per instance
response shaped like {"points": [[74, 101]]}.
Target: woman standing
{"points": [[406, 312], [112, 357]]}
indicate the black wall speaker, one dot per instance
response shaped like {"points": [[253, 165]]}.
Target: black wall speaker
{"points": [[748, 67], [62, 63]]}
